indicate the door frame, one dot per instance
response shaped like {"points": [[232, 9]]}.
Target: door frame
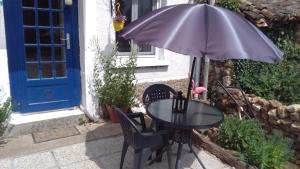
{"points": [[15, 48]]}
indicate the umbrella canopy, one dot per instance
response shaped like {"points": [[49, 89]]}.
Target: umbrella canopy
{"points": [[202, 29]]}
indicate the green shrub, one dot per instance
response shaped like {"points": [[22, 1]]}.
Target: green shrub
{"points": [[274, 81], [236, 134], [4, 113], [247, 138], [272, 153]]}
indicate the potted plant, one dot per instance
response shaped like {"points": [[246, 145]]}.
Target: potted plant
{"points": [[113, 80]]}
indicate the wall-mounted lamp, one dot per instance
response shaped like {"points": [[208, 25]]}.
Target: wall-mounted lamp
{"points": [[68, 2]]}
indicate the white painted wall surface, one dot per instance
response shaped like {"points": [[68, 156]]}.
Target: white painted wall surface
{"points": [[4, 78], [95, 21]]}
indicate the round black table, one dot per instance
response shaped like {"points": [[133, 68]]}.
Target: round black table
{"points": [[198, 116]]}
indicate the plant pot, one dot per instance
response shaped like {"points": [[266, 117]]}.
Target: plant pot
{"points": [[118, 25], [103, 111], [112, 114]]}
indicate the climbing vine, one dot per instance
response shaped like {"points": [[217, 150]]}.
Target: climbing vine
{"points": [[279, 81]]}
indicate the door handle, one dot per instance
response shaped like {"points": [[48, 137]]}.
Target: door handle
{"points": [[67, 40]]}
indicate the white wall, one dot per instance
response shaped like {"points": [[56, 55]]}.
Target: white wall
{"points": [[95, 21], [4, 79]]}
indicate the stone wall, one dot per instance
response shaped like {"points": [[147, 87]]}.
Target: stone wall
{"points": [[269, 12], [275, 117], [181, 84]]}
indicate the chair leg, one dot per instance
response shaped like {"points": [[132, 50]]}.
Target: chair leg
{"points": [[178, 155], [140, 157], [190, 145], [169, 156], [124, 150]]}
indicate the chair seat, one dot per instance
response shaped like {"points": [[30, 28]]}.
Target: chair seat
{"points": [[154, 142]]}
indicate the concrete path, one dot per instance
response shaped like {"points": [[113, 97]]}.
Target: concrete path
{"points": [[97, 147]]}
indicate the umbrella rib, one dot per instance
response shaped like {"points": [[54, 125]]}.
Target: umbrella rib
{"points": [[146, 20], [235, 37], [176, 29]]}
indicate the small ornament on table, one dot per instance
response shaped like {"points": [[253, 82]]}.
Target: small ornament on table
{"points": [[179, 103]]}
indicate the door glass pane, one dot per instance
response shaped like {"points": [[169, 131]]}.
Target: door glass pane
{"points": [[47, 70], [29, 17], [58, 19], [30, 36], [32, 70], [45, 36], [46, 53], [58, 34], [60, 54], [43, 4], [60, 70], [31, 54], [57, 4], [28, 3], [44, 18]]}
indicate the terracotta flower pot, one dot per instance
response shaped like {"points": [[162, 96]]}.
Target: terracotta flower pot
{"points": [[112, 114]]}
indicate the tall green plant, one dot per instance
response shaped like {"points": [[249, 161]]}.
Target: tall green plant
{"points": [[113, 79]]}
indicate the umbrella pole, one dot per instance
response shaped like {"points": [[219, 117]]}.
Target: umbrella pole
{"points": [[191, 78]]}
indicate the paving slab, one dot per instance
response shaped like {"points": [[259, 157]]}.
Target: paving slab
{"points": [[5, 163], [87, 164], [22, 145], [43, 160], [54, 134], [87, 150], [97, 147], [112, 161]]}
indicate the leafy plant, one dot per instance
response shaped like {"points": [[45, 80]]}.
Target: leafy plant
{"points": [[236, 134], [247, 137], [232, 5], [271, 153], [116, 87], [4, 113], [274, 81]]}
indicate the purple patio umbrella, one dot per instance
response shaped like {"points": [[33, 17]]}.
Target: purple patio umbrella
{"points": [[202, 29]]}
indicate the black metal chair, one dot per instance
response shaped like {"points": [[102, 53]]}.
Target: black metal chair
{"points": [[157, 92], [144, 141]]}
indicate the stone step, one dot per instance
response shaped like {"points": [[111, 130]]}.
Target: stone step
{"points": [[22, 124]]}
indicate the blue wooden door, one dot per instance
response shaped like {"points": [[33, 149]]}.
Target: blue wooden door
{"points": [[42, 44]]}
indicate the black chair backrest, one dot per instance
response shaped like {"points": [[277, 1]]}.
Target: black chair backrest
{"points": [[157, 92], [128, 127]]}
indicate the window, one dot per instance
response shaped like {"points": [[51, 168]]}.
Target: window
{"points": [[134, 9]]}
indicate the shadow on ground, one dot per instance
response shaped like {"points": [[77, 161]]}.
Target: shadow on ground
{"points": [[104, 145]]}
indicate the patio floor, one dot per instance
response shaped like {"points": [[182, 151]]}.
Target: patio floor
{"points": [[98, 146]]}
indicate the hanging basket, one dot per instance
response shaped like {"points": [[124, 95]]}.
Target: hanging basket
{"points": [[119, 19], [118, 24]]}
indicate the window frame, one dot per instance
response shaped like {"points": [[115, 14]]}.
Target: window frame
{"points": [[134, 16]]}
